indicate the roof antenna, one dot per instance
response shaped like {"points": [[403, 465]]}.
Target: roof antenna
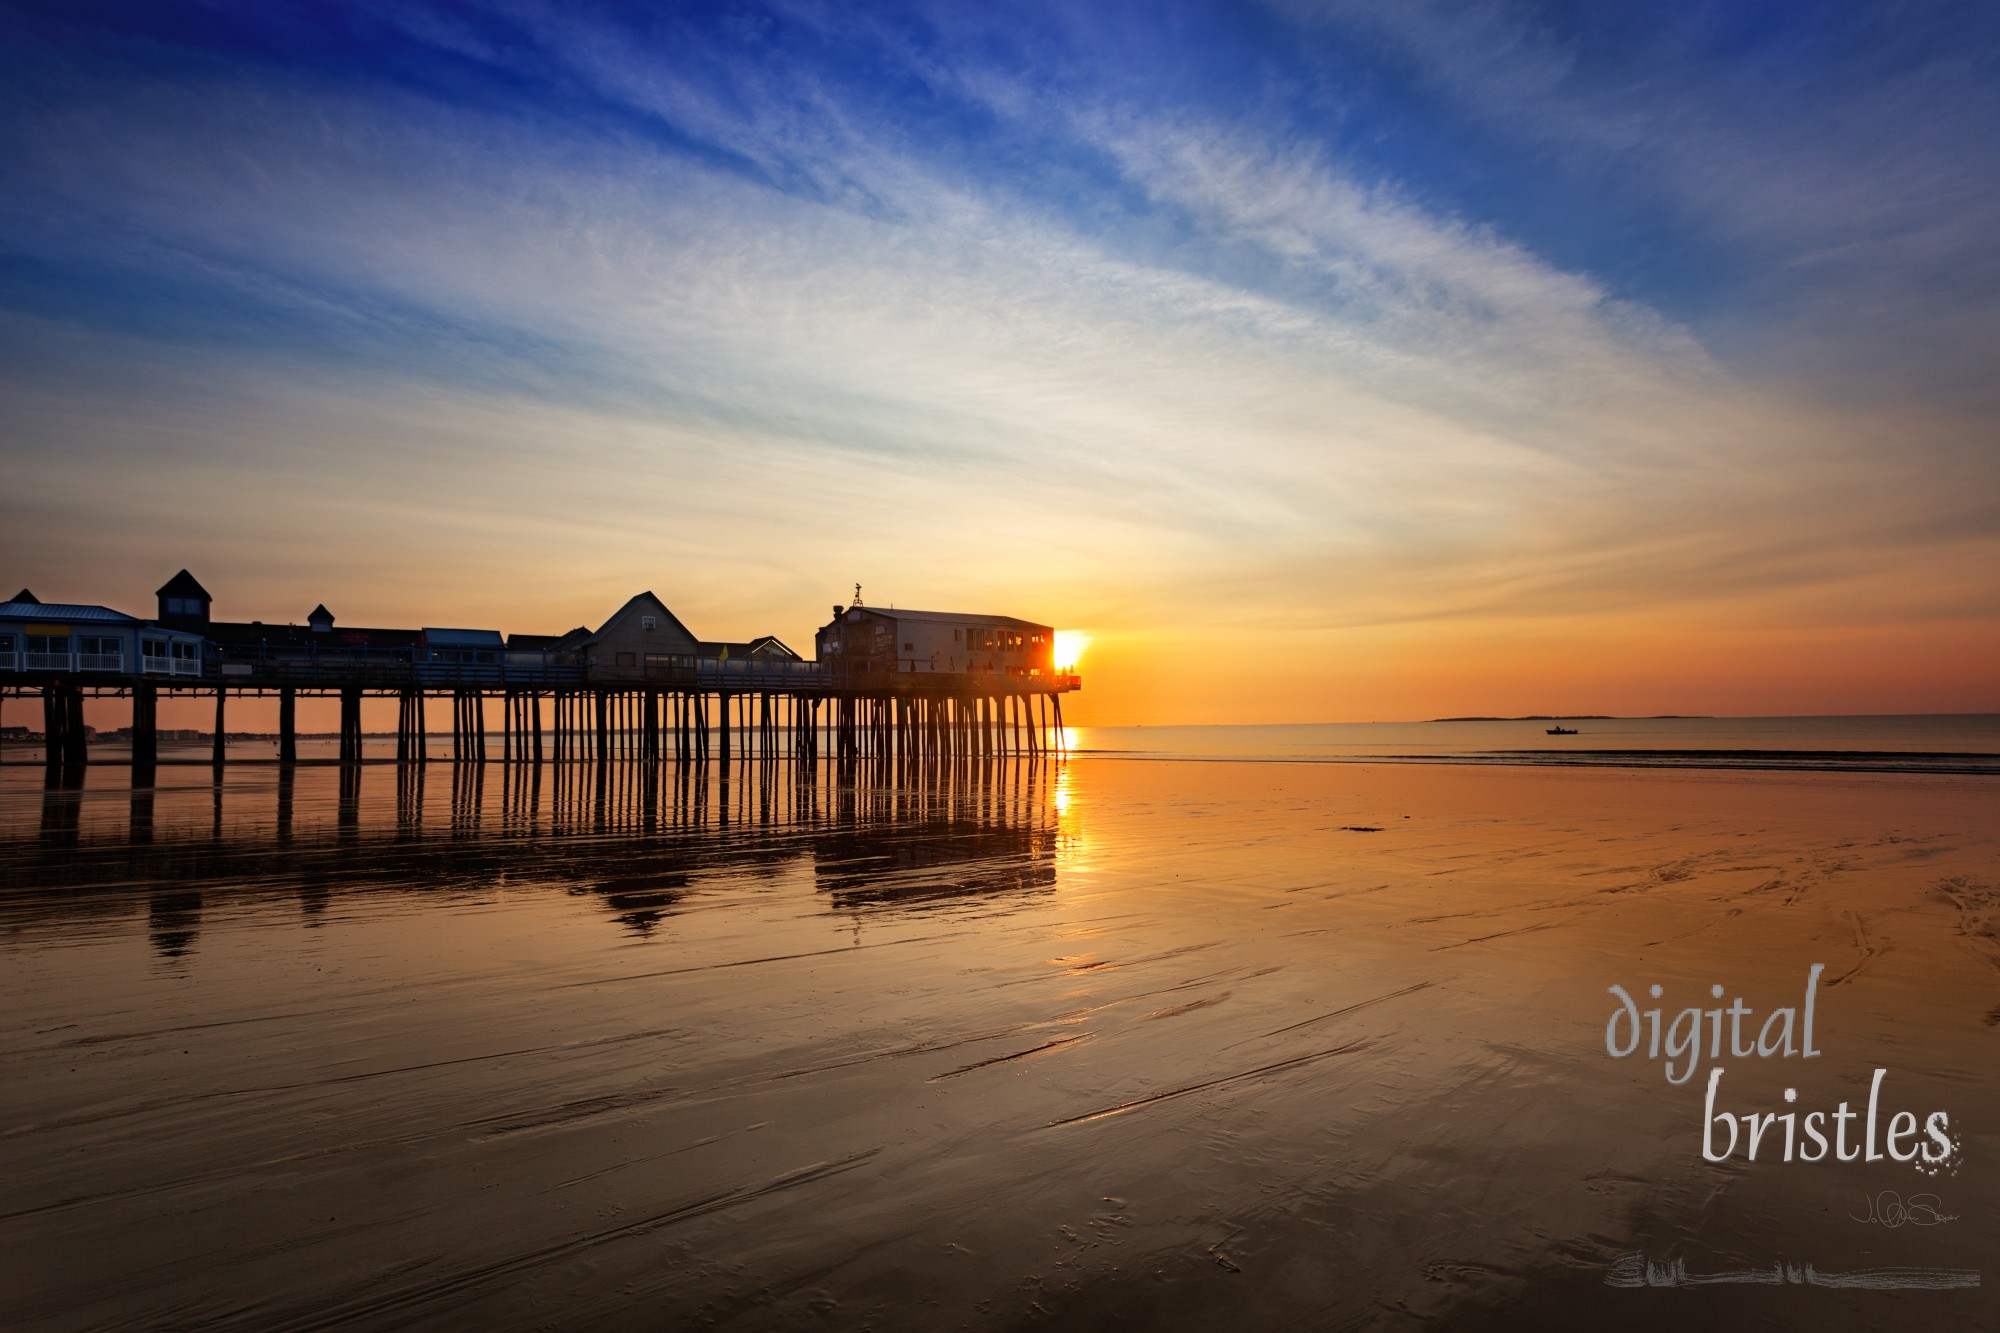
{"points": [[857, 594]]}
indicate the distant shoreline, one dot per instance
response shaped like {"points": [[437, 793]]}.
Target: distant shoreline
{"points": [[1589, 717]]}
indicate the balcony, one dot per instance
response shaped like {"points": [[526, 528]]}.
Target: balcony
{"points": [[47, 662], [154, 665], [100, 661]]}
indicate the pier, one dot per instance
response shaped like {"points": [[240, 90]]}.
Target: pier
{"points": [[887, 684]]}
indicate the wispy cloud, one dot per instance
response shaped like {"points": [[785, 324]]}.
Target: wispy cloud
{"points": [[756, 310]]}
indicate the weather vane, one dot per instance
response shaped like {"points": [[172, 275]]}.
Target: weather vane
{"points": [[857, 594]]}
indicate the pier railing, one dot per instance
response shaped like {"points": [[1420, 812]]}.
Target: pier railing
{"points": [[325, 673]]}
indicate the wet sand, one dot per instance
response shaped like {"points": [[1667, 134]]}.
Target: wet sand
{"points": [[1123, 1043]]}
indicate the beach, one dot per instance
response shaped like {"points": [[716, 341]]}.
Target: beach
{"points": [[1092, 1042]]}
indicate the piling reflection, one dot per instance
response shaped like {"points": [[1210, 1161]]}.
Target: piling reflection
{"points": [[637, 838], [173, 920]]}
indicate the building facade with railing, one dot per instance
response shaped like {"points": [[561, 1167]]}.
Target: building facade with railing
{"points": [[642, 645], [75, 639], [871, 641]]}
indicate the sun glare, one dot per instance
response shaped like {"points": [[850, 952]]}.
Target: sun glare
{"points": [[1071, 644]]}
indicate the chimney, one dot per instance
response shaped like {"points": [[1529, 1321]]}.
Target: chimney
{"points": [[838, 612]]}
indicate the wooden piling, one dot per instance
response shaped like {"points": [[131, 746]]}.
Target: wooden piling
{"points": [[350, 725], [145, 726]]}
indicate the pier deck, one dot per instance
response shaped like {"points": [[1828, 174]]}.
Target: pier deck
{"points": [[691, 714]]}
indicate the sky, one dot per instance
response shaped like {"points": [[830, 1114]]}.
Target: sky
{"points": [[1318, 360]]}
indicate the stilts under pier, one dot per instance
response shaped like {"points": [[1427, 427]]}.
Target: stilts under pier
{"points": [[590, 723]]}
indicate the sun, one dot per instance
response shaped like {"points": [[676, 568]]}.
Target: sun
{"points": [[1071, 645]]}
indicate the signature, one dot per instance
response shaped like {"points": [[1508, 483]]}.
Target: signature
{"points": [[1890, 1210], [1636, 1270]]}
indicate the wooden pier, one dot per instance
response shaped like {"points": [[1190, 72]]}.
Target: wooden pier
{"points": [[885, 683], [931, 717]]}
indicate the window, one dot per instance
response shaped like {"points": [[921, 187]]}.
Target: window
{"points": [[153, 649], [100, 653], [646, 622], [627, 659], [185, 651], [958, 636], [909, 647], [48, 643], [183, 606]]}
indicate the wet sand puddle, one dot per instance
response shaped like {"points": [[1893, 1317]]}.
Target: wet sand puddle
{"points": [[1160, 1044]]}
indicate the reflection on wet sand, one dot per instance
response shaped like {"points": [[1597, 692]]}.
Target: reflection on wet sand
{"points": [[873, 836], [1182, 1045]]}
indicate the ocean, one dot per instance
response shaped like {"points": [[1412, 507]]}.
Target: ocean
{"points": [[1922, 742]]}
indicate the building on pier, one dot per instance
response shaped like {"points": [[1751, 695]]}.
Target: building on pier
{"points": [[461, 656], [867, 641], [530, 657], [753, 663], [764, 648], [641, 641], [254, 648], [84, 640], [245, 648]]}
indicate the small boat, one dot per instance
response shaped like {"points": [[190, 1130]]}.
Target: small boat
{"points": [[1562, 731]]}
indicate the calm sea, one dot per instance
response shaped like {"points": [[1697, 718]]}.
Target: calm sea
{"points": [[1931, 742]]}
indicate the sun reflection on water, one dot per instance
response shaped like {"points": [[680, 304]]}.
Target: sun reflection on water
{"points": [[1073, 847]]}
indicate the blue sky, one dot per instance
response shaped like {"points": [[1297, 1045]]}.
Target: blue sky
{"points": [[1393, 335]]}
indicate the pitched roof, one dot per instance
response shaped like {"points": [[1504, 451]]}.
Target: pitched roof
{"points": [[253, 632], [634, 601], [319, 613], [64, 611], [184, 584], [462, 638], [575, 636], [27, 597], [950, 617], [767, 646]]}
